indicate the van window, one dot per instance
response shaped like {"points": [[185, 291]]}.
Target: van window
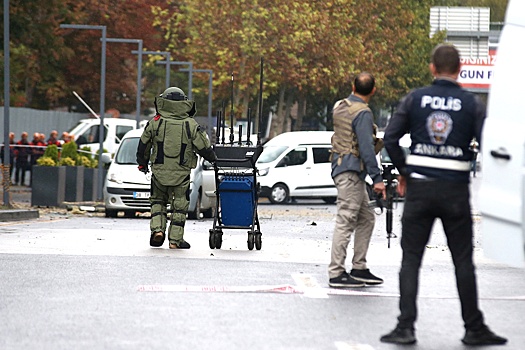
{"points": [[321, 155], [295, 157], [91, 134], [121, 131], [271, 153], [127, 151]]}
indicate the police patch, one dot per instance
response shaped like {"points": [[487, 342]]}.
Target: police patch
{"points": [[439, 126]]}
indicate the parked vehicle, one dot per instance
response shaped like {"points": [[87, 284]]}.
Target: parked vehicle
{"points": [[297, 165], [404, 142], [87, 131], [128, 190], [502, 194]]}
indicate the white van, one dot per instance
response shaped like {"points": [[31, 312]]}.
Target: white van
{"points": [[502, 194], [128, 190], [86, 133], [297, 165]]}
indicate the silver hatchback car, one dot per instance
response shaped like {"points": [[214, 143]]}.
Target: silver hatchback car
{"points": [[127, 190]]}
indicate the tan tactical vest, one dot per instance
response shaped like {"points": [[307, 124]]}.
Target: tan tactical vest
{"points": [[344, 140]]}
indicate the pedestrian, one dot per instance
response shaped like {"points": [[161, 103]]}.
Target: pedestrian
{"points": [[11, 154], [37, 151], [353, 157], [53, 138], [66, 137], [442, 119], [170, 141], [22, 154]]}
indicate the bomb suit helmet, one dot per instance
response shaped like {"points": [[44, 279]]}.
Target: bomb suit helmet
{"points": [[174, 94]]}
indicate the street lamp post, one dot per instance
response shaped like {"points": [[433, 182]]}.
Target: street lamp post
{"points": [[139, 69], [162, 53], [102, 96], [210, 94], [7, 83], [190, 79]]}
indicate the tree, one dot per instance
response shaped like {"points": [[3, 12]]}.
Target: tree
{"points": [[311, 47]]}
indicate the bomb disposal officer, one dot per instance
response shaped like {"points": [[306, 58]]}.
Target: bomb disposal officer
{"points": [[169, 142]]}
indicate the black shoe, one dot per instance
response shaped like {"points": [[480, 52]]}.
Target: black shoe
{"points": [[344, 280], [483, 336], [365, 276], [180, 245], [404, 336], [157, 239]]}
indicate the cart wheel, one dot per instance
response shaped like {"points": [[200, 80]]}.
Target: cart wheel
{"points": [[212, 239], [258, 241], [251, 240], [218, 239]]}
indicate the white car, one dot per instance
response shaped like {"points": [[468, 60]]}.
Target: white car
{"points": [[502, 194], [297, 165], [128, 190], [86, 133]]}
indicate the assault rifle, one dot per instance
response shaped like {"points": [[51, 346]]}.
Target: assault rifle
{"points": [[391, 194]]}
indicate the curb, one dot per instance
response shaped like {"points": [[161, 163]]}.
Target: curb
{"points": [[18, 214]]}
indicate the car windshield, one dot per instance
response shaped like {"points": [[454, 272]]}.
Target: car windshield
{"points": [[271, 153], [385, 157], [127, 152]]}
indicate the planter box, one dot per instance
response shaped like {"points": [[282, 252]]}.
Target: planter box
{"points": [[90, 184], [74, 184], [48, 186]]}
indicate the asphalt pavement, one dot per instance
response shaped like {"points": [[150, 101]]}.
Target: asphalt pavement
{"points": [[83, 281]]}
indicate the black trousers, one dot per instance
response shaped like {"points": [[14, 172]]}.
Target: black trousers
{"points": [[427, 200], [20, 172]]}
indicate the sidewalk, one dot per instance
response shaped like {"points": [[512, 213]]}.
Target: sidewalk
{"points": [[20, 200]]}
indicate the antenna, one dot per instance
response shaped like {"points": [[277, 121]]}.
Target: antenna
{"points": [[248, 128], [218, 132], [240, 134], [86, 105], [231, 116], [260, 104], [223, 120]]}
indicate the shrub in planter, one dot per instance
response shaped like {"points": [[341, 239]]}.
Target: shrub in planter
{"points": [[67, 161], [69, 150], [84, 161], [51, 152], [46, 161]]}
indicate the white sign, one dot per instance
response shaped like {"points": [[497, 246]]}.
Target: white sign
{"points": [[477, 73]]}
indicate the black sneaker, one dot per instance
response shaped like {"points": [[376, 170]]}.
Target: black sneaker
{"points": [[365, 276], [180, 245], [403, 336], [483, 336], [344, 280]]}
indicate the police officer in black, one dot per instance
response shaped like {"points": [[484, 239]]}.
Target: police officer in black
{"points": [[442, 119]]}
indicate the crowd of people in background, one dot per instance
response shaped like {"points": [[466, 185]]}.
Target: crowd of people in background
{"points": [[23, 153]]}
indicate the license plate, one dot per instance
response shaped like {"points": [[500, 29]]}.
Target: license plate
{"points": [[141, 194]]}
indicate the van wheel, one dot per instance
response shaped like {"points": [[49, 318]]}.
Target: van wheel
{"points": [[208, 213], [279, 194], [329, 200], [129, 213], [196, 213]]}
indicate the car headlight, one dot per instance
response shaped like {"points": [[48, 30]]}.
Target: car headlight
{"points": [[264, 171], [114, 177]]}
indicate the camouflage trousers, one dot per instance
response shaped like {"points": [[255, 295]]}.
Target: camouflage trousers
{"points": [[178, 198]]}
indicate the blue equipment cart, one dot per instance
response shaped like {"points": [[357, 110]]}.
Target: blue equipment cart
{"points": [[236, 193]]}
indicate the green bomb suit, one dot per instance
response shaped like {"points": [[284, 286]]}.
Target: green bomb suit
{"points": [[169, 142]]}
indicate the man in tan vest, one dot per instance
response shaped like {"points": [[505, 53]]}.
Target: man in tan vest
{"points": [[353, 157]]}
